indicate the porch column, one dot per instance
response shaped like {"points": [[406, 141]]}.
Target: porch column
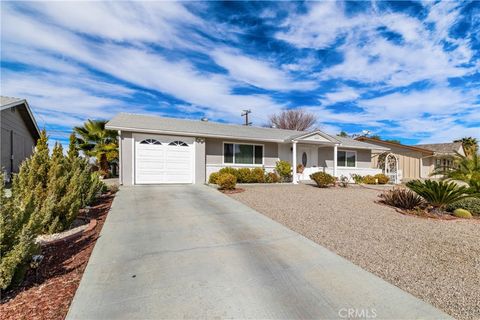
{"points": [[335, 149], [294, 162]]}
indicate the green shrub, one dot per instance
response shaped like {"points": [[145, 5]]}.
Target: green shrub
{"points": [[258, 175], [284, 170], [471, 204], [440, 194], [357, 178], [322, 179], [381, 178], [462, 213], [368, 179], [213, 177], [401, 198], [272, 177], [226, 181], [47, 194], [343, 181], [244, 175]]}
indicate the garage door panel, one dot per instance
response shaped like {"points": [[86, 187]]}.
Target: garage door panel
{"points": [[160, 162]]}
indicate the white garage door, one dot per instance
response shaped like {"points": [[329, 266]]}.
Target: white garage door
{"points": [[163, 159]]}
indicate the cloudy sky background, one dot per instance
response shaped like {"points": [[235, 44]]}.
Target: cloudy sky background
{"points": [[403, 70]]}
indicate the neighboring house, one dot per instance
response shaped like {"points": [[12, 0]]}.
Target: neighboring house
{"points": [[19, 133], [444, 154], [155, 150], [419, 161]]}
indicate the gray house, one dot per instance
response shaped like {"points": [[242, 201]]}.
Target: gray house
{"points": [[19, 133], [156, 150]]}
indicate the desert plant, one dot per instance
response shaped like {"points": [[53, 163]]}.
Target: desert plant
{"points": [[381, 178], [226, 181], [96, 141], [466, 169], [462, 213], [470, 204], [213, 177], [284, 170], [272, 177], [440, 194], [401, 198], [357, 178], [322, 179], [368, 179]]}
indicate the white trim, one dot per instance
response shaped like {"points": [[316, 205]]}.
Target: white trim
{"points": [[335, 159], [294, 162], [243, 164], [347, 150], [120, 157], [319, 132]]}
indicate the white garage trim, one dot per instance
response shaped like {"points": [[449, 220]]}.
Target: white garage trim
{"points": [[163, 159]]}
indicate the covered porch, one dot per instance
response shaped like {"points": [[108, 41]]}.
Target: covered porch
{"points": [[316, 151]]}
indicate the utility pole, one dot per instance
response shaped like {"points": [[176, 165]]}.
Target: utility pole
{"points": [[245, 114]]}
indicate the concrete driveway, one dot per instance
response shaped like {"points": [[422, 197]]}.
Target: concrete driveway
{"points": [[191, 252]]}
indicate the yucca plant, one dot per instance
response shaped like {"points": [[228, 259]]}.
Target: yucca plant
{"points": [[440, 194], [401, 198]]}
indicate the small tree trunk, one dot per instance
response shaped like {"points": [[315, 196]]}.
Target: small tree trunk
{"points": [[104, 163]]}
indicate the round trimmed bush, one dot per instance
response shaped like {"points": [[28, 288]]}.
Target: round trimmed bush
{"points": [[226, 181], [369, 179], [462, 213], [322, 179], [213, 177], [381, 178], [244, 175], [229, 170], [272, 177], [258, 175]]}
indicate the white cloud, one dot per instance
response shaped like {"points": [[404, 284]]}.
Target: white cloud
{"points": [[438, 101], [342, 95], [369, 57], [257, 72]]}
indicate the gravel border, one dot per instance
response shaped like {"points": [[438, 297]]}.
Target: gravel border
{"points": [[435, 260]]}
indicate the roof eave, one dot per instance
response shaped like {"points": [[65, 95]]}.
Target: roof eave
{"points": [[188, 134]]}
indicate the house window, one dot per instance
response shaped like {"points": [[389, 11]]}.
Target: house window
{"points": [[346, 159], [242, 153], [444, 163]]}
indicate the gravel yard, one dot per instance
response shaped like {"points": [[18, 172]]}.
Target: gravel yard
{"points": [[435, 260]]}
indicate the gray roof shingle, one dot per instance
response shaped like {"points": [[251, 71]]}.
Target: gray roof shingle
{"points": [[9, 101], [135, 122], [446, 148]]}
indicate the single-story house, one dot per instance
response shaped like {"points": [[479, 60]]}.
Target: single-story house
{"points": [[444, 154], [19, 133], [419, 161], [157, 150]]}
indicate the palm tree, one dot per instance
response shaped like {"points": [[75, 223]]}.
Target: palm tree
{"points": [[96, 141], [469, 145], [467, 169]]}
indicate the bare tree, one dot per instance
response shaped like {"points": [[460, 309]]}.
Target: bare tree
{"points": [[294, 119]]}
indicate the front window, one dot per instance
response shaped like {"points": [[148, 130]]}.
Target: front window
{"points": [[242, 153], [346, 158]]}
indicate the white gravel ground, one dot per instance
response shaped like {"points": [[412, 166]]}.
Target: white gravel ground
{"points": [[435, 260]]}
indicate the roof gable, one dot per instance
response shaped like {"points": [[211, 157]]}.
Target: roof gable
{"points": [[24, 109]]}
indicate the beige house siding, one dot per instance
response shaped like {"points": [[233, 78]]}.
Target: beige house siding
{"points": [[325, 157], [214, 154], [23, 142]]}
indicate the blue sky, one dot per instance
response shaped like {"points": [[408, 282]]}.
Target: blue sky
{"points": [[403, 70]]}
